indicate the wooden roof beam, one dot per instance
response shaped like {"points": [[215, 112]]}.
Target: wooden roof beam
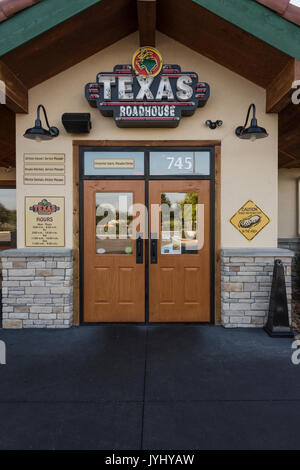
{"points": [[287, 164], [147, 21], [288, 138], [280, 90], [7, 137], [16, 92]]}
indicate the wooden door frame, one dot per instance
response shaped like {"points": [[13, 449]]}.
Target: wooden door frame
{"points": [[216, 144]]}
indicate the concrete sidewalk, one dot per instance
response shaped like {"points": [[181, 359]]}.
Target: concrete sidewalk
{"points": [[155, 387]]}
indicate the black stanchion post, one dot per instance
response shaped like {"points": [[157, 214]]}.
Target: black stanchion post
{"points": [[278, 324]]}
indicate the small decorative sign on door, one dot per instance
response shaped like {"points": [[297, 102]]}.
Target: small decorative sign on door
{"points": [[114, 163]]}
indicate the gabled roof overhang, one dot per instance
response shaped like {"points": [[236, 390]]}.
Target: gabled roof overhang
{"points": [[245, 14], [284, 8], [38, 19], [9, 8], [259, 21]]}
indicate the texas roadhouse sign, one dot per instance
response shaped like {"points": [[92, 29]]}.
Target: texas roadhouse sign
{"points": [[147, 93]]}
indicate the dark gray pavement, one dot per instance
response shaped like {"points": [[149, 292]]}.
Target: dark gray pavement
{"points": [[156, 387]]}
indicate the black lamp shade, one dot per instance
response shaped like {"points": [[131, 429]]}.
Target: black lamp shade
{"points": [[38, 133], [252, 132]]}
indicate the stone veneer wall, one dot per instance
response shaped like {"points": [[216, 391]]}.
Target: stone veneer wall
{"points": [[37, 288], [246, 276], [294, 245]]}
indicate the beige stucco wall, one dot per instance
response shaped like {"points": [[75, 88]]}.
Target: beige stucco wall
{"points": [[249, 170], [288, 207]]}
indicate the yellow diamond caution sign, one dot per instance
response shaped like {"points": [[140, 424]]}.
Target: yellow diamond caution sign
{"points": [[250, 220]]}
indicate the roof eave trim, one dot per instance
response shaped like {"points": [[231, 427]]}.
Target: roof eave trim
{"points": [[38, 19], [259, 21]]}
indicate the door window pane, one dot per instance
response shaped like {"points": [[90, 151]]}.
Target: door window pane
{"points": [[179, 223], [114, 223], [179, 163], [114, 163], [8, 215]]}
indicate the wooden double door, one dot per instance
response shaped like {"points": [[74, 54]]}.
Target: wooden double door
{"points": [[147, 260]]}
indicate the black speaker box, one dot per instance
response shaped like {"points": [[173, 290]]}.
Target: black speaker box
{"points": [[77, 123]]}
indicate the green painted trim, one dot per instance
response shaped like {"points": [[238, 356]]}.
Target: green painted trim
{"points": [[246, 14], [33, 21], [259, 21]]}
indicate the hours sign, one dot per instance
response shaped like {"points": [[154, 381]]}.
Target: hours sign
{"points": [[147, 93]]}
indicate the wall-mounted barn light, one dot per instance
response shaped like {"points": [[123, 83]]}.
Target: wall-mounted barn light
{"points": [[37, 132], [254, 131]]}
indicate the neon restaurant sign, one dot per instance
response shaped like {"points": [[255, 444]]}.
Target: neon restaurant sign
{"points": [[147, 93]]}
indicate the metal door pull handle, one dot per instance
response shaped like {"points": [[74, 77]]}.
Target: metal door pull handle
{"points": [[153, 249], [139, 249]]}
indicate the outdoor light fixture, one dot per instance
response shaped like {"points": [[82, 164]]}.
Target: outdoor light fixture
{"points": [[254, 131], [37, 132], [213, 125]]}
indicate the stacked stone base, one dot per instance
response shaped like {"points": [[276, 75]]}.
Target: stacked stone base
{"points": [[37, 288], [246, 285]]}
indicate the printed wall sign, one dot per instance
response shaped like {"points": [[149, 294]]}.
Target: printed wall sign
{"points": [[44, 169], [250, 220], [147, 93], [44, 158], [114, 163], [39, 179], [45, 222], [33, 169]]}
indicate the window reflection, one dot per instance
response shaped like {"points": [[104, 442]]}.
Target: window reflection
{"points": [[114, 223], [179, 215], [8, 215], [114, 163], [179, 163]]}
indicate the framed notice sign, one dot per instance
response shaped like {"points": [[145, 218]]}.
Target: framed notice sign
{"points": [[44, 222], [44, 158], [44, 169], [114, 163]]}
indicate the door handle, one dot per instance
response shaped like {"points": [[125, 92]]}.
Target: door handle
{"points": [[139, 249], [153, 248]]}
